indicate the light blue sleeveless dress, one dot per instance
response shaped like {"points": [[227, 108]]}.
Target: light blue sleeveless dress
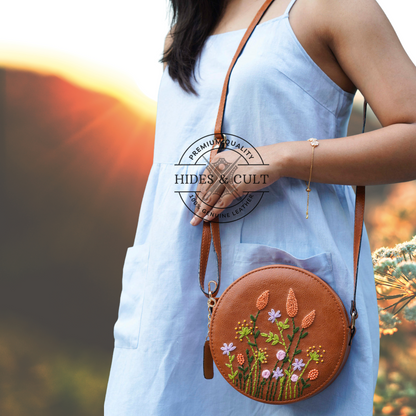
{"points": [[276, 93]]}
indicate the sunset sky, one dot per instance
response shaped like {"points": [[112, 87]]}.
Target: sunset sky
{"points": [[114, 46]]}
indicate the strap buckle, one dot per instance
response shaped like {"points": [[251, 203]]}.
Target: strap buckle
{"points": [[354, 317], [222, 143]]}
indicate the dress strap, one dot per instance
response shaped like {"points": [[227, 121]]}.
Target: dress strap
{"points": [[289, 7]]}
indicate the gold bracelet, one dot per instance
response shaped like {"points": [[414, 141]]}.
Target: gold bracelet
{"points": [[313, 143]]}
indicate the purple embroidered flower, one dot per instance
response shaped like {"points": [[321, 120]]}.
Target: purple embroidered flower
{"points": [[280, 355], [274, 315], [265, 374], [294, 378], [277, 373], [298, 364], [228, 348]]}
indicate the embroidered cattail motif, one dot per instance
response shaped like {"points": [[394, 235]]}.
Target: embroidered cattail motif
{"points": [[240, 359], [262, 300], [308, 319], [313, 374], [292, 304]]}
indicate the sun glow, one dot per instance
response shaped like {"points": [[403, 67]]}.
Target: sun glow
{"points": [[112, 47]]}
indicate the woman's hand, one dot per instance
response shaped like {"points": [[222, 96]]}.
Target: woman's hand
{"points": [[230, 175]]}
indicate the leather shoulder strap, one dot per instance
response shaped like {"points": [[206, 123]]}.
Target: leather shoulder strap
{"points": [[211, 230]]}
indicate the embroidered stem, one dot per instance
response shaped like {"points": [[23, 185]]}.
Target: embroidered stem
{"points": [[301, 374], [253, 381], [270, 387], [257, 382], [250, 374], [290, 361], [251, 370], [281, 389], [281, 335], [270, 380], [231, 367]]}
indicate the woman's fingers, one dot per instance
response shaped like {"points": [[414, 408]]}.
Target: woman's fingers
{"points": [[206, 201], [220, 205]]}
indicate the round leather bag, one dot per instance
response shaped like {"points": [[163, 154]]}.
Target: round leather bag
{"points": [[279, 334]]}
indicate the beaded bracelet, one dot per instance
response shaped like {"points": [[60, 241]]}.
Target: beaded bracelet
{"points": [[313, 143]]}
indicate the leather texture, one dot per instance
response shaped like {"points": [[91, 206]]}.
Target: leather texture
{"points": [[331, 329]]}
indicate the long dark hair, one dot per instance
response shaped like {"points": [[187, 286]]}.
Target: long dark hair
{"points": [[192, 22]]}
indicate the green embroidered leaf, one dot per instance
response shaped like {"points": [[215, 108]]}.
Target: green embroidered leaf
{"points": [[250, 359], [286, 359], [251, 343], [275, 342], [263, 334], [242, 369], [303, 381], [296, 330], [280, 324], [268, 340], [304, 335], [235, 374], [246, 377], [286, 320], [256, 335], [290, 337], [229, 365], [286, 326], [244, 332], [304, 386], [297, 352], [307, 379], [240, 376], [287, 373], [232, 358], [314, 355], [253, 318]]}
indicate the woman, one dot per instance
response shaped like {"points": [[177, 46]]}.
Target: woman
{"points": [[295, 79]]}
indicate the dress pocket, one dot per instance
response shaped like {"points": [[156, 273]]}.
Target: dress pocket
{"points": [[249, 256], [127, 327]]}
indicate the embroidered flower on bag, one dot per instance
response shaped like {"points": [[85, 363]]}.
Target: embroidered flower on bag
{"points": [[265, 373], [298, 364], [291, 304], [240, 359], [281, 355], [294, 378], [228, 348], [313, 374], [262, 300], [274, 315], [278, 373]]}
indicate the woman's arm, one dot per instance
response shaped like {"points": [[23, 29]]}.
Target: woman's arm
{"points": [[369, 52]]}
